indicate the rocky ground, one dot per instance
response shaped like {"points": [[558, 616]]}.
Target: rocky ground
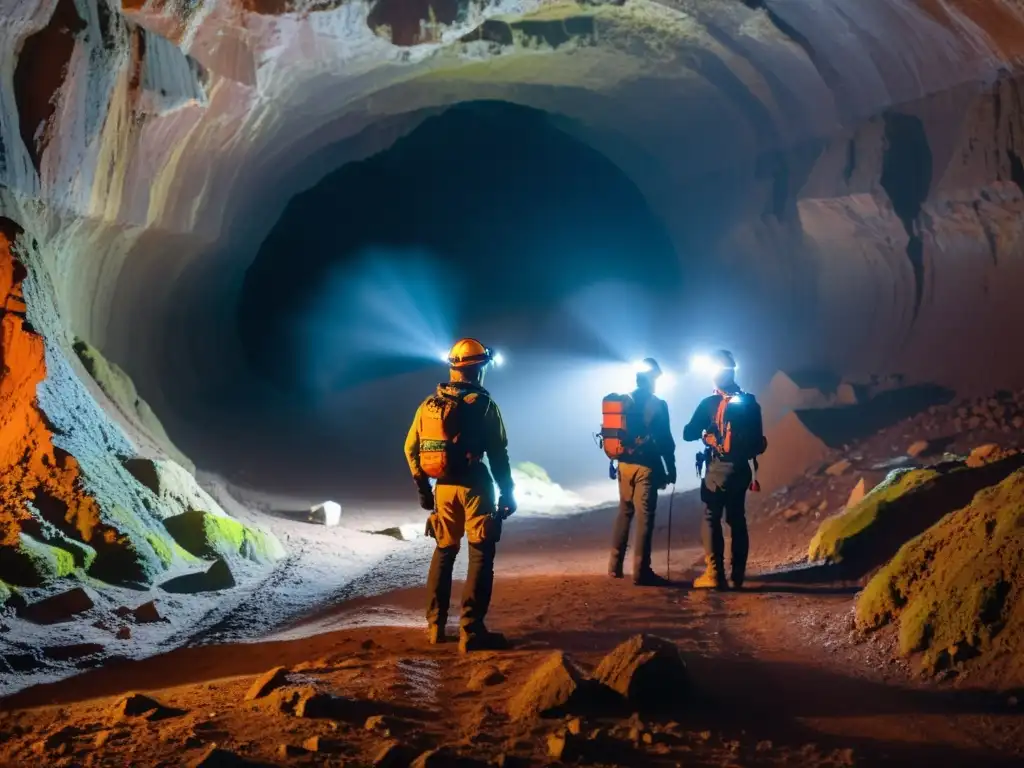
{"points": [[764, 678]]}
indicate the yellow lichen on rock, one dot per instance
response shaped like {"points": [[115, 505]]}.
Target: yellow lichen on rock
{"points": [[957, 590]]}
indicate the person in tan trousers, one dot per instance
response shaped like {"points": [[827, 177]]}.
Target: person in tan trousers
{"points": [[452, 431]]}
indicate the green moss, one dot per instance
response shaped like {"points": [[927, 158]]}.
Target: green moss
{"points": [[161, 548], [207, 535], [534, 471], [957, 590], [131, 560], [48, 561], [836, 531], [6, 592]]}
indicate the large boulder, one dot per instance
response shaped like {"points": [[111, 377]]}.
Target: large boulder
{"points": [[207, 535], [30, 562], [553, 688], [957, 590], [647, 671], [867, 534], [216, 578]]}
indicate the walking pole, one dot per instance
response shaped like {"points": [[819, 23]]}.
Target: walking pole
{"points": [[668, 551]]}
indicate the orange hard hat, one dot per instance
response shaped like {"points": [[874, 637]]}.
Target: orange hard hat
{"points": [[467, 353]]}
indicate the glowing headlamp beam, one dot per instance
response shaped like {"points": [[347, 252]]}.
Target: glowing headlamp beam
{"points": [[497, 358], [704, 364]]}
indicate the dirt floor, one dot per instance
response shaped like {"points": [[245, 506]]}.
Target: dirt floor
{"points": [[778, 676]]}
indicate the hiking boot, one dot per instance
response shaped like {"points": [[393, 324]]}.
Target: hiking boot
{"points": [[482, 641], [614, 568], [650, 579], [712, 578], [436, 635]]}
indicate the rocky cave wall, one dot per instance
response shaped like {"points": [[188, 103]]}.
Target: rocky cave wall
{"points": [[865, 160]]}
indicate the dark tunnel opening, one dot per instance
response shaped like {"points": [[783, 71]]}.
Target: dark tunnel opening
{"points": [[486, 218]]}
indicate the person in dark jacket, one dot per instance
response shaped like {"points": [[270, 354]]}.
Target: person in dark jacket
{"points": [[648, 469], [729, 424]]}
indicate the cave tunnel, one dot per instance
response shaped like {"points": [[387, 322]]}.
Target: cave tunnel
{"points": [[486, 220], [241, 248]]}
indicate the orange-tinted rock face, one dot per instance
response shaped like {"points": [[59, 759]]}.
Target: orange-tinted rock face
{"points": [[33, 469]]}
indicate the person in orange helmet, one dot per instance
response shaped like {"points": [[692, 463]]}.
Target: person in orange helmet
{"points": [[453, 430]]}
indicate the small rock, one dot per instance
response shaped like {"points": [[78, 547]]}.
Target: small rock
{"points": [[803, 507], [56, 743], [313, 703], [266, 683], [391, 755], [436, 758], [562, 746], [58, 608], [973, 423], [484, 677], [124, 633], [574, 726], [1017, 422], [793, 513], [553, 687], [917, 449], [101, 738], [377, 723], [147, 614], [328, 513], [320, 744], [982, 455], [138, 705], [764, 746], [648, 671], [838, 468], [215, 757], [823, 506], [123, 611]]}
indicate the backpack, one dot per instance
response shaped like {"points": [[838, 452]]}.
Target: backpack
{"points": [[622, 426], [738, 422], [446, 450]]}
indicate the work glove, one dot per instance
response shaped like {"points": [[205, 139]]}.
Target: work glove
{"points": [[506, 506], [426, 494], [428, 530], [670, 472]]}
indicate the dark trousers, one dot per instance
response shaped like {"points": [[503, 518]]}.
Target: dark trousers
{"points": [[476, 594], [724, 494], [638, 496]]}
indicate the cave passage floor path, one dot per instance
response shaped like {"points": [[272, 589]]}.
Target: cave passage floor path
{"points": [[777, 678]]}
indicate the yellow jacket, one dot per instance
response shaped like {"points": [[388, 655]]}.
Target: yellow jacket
{"points": [[483, 433]]}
